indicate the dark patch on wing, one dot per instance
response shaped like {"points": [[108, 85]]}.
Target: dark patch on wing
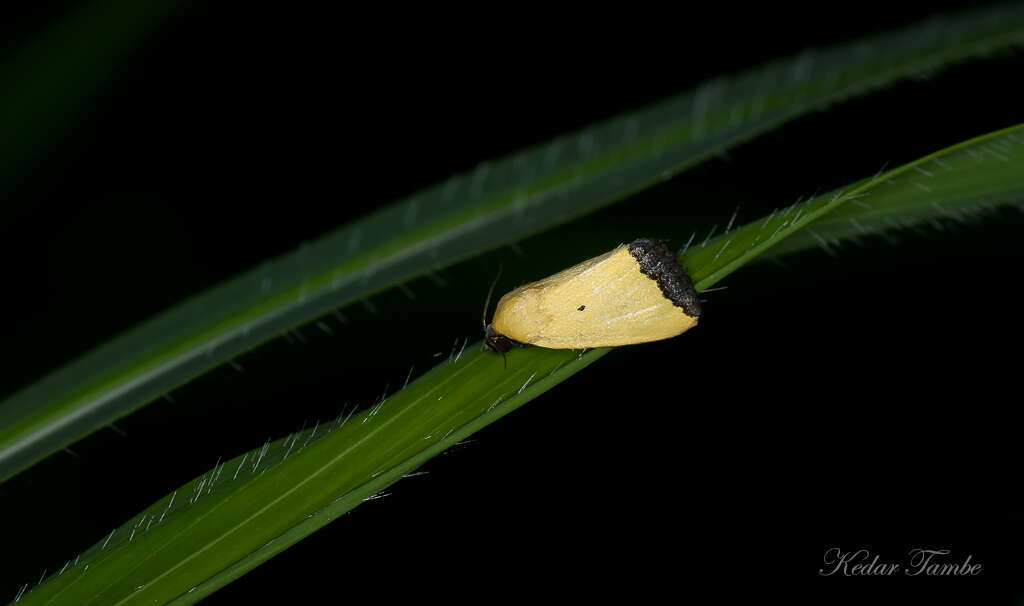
{"points": [[658, 262]]}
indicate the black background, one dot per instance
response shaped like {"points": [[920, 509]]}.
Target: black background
{"points": [[867, 400]]}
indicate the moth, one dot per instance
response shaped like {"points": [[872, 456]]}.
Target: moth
{"points": [[636, 293]]}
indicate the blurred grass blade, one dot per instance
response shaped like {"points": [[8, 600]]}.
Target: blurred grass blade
{"points": [[498, 203], [51, 80], [244, 511]]}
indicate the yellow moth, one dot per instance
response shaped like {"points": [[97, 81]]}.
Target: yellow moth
{"points": [[635, 293]]}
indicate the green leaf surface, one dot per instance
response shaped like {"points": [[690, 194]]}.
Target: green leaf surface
{"points": [[986, 170], [498, 203], [245, 510], [969, 192]]}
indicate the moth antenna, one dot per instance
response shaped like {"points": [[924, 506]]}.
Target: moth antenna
{"points": [[487, 302]]}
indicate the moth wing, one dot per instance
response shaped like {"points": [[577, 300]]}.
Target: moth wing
{"points": [[604, 301]]}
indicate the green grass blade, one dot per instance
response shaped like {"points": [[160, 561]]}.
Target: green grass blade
{"points": [[988, 167], [965, 195], [498, 203], [244, 511], [47, 84]]}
